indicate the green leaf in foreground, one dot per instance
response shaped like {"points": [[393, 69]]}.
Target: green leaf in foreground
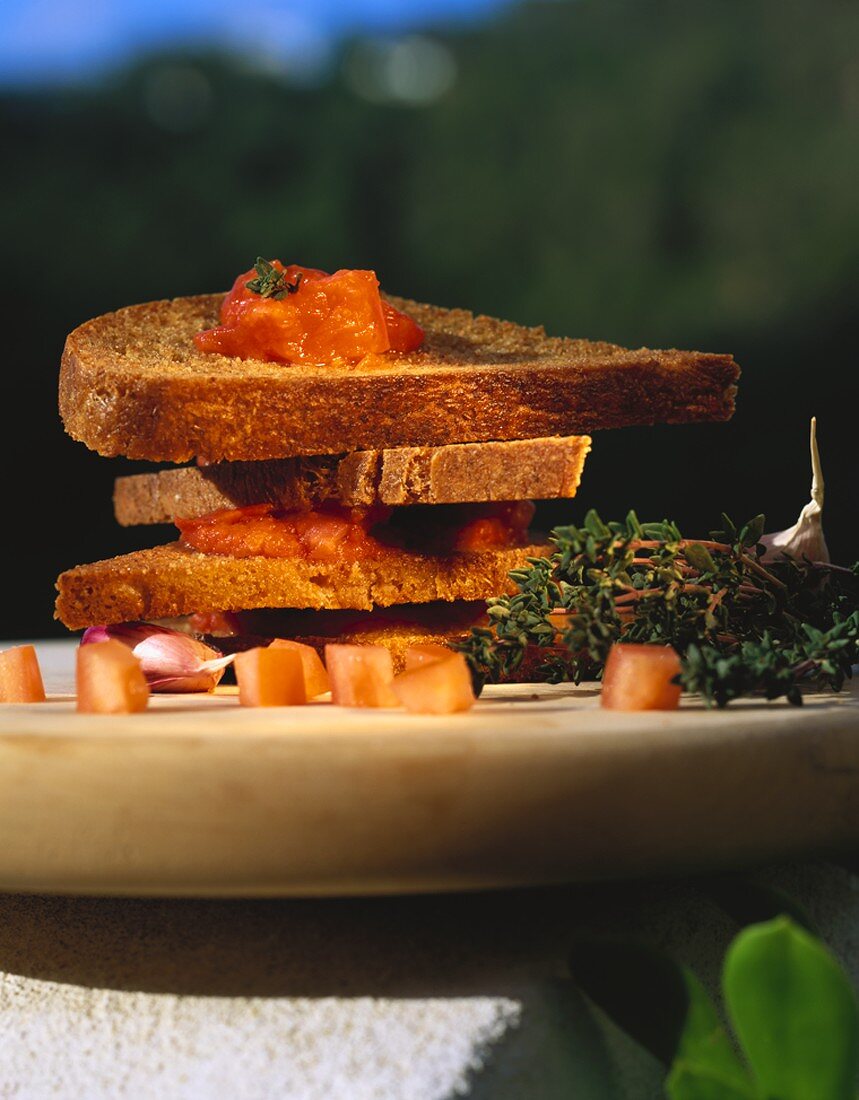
{"points": [[794, 1013], [663, 1007], [705, 1066], [791, 1007]]}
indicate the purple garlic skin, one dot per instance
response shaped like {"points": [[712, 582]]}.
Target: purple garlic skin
{"points": [[171, 661]]}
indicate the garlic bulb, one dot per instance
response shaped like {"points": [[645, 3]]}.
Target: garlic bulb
{"points": [[171, 660], [805, 539]]}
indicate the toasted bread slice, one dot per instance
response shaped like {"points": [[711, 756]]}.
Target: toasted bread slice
{"points": [[171, 580], [526, 469], [133, 383]]}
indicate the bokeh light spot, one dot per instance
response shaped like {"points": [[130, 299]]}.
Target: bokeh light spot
{"points": [[415, 70]]}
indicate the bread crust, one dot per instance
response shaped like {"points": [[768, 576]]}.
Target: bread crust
{"points": [[191, 491], [170, 581], [132, 383], [532, 469]]}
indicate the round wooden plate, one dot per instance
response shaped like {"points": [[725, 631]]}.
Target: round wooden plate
{"points": [[199, 796]]}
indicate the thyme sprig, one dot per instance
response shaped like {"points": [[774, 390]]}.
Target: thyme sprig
{"points": [[741, 626], [271, 283]]}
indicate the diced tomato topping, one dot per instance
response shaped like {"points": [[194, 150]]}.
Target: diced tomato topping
{"points": [[20, 676], [313, 318], [500, 525], [441, 686], [224, 624], [109, 679], [405, 335], [638, 677], [324, 534], [332, 532], [361, 675], [316, 680], [270, 677]]}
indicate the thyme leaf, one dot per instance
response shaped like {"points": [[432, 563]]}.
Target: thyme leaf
{"points": [[271, 283]]}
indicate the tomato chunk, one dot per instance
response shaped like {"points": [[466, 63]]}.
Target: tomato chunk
{"points": [[109, 679], [326, 533], [20, 676], [404, 334], [638, 677], [303, 315], [442, 686], [270, 677], [316, 681], [495, 525], [417, 655], [361, 675], [333, 532]]}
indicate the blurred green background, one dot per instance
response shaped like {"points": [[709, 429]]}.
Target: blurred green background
{"points": [[657, 173]]}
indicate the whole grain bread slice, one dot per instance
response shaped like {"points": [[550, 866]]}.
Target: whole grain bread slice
{"points": [[532, 469], [133, 383], [169, 581]]}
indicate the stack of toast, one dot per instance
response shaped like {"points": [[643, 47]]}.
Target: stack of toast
{"points": [[383, 501]]}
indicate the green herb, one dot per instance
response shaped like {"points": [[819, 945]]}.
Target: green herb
{"points": [[791, 1008], [740, 627], [794, 1013], [271, 283], [705, 1064]]}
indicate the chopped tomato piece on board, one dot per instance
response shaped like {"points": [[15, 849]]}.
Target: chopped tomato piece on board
{"points": [[110, 679], [436, 687], [270, 677], [316, 680], [417, 655], [638, 677], [20, 676], [361, 675]]}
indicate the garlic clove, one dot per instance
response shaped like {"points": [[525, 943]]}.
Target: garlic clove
{"points": [[127, 633], [805, 539], [171, 660]]}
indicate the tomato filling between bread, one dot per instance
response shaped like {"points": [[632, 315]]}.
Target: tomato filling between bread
{"points": [[335, 533], [303, 315]]}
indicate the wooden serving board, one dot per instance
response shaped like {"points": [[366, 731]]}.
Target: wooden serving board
{"points": [[199, 796]]}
